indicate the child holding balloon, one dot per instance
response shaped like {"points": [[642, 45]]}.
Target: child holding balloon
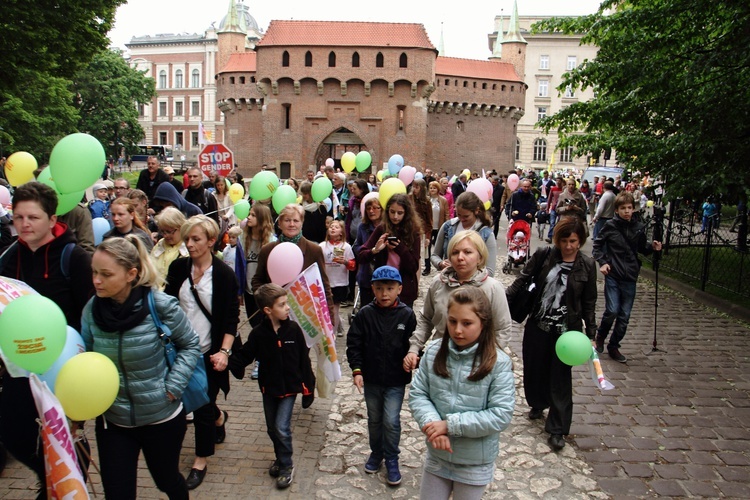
{"points": [[462, 397]]}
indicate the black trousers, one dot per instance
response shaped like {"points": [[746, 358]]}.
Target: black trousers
{"points": [[19, 431], [204, 418], [252, 308], [547, 380], [161, 445]]}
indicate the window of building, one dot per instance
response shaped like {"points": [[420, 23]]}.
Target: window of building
{"points": [[475, 85], [285, 59], [242, 80], [518, 149], [447, 82], [194, 140], [355, 60], [541, 112], [543, 88], [162, 138], [401, 118], [287, 116], [572, 63], [502, 88], [494, 86], [379, 60], [285, 170], [179, 139], [569, 92], [540, 150], [252, 79], [308, 59], [332, 59], [466, 84], [484, 86], [195, 108], [231, 80], [162, 108], [178, 79], [543, 62], [162, 79], [403, 61], [460, 126], [195, 79], [141, 110], [178, 108], [566, 155]]}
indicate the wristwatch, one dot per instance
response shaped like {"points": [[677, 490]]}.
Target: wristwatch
{"points": [[228, 352]]}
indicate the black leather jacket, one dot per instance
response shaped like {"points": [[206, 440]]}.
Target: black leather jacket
{"points": [[618, 245]]}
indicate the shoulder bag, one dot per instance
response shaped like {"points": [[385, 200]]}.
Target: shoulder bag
{"points": [[521, 305], [195, 394]]}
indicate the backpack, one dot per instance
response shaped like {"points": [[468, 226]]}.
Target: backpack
{"points": [[11, 251]]}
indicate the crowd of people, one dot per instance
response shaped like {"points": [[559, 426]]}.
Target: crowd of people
{"points": [[182, 246]]}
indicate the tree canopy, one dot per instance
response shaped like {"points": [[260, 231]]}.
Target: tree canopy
{"points": [[672, 91], [107, 91]]}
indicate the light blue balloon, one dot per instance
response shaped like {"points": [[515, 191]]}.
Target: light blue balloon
{"points": [[100, 226], [418, 175], [73, 345], [395, 164]]}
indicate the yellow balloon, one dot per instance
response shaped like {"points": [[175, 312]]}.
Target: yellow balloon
{"points": [[87, 385], [650, 203], [348, 161], [487, 205], [379, 175], [19, 168], [236, 192], [390, 186], [466, 173]]}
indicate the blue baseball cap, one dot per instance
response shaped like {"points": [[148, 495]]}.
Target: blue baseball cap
{"points": [[386, 273]]}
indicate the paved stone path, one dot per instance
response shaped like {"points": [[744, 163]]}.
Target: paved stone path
{"points": [[676, 424]]}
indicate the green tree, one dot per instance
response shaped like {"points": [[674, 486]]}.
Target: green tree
{"points": [[672, 90], [108, 91], [43, 44]]}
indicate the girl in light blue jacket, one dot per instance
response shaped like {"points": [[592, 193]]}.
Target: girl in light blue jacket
{"points": [[462, 396]]}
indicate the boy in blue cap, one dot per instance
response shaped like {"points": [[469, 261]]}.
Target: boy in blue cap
{"points": [[377, 342]]}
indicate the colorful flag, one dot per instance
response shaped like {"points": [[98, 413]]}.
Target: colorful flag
{"points": [[204, 136], [64, 477]]}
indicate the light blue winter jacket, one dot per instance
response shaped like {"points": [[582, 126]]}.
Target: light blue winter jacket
{"points": [[139, 357], [476, 412]]}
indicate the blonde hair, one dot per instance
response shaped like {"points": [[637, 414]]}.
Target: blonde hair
{"points": [[130, 253], [206, 223], [170, 217], [130, 207], [292, 208], [341, 226], [476, 239], [234, 231]]}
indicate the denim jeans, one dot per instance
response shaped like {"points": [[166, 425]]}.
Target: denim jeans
{"points": [[383, 419], [552, 222], [619, 297], [278, 412]]}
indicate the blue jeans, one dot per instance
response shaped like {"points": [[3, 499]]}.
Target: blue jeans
{"points": [[278, 412], [619, 297], [552, 222], [383, 419]]}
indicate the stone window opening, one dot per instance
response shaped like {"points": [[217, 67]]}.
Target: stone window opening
{"points": [[287, 116], [162, 79], [540, 150], [403, 61], [196, 79], [308, 59], [355, 60], [379, 60], [285, 59], [401, 116], [332, 59], [242, 80], [178, 79], [460, 126], [231, 80]]}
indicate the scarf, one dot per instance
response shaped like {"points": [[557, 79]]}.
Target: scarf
{"points": [[294, 239], [113, 317]]}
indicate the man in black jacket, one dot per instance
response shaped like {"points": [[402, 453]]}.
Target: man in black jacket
{"points": [[149, 179], [198, 196]]}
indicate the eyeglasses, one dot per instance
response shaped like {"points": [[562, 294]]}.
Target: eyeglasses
{"points": [[168, 232]]}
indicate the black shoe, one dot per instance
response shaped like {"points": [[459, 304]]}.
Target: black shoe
{"points": [[275, 469], [599, 344], [615, 354], [556, 442], [307, 400], [221, 430], [536, 414], [426, 272], [285, 478], [195, 478], [548, 240]]}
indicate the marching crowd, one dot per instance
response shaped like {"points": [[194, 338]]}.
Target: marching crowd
{"points": [[180, 247]]}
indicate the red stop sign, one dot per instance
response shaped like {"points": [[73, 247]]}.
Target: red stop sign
{"points": [[216, 158]]}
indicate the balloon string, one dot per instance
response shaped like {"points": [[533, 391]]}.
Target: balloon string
{"points": [[82, 449]]}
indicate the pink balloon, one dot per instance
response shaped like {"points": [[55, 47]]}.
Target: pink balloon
{"points": [[513, 181], [4, 196], [406, 174], [369, 196], [482, 188], [330, 162], [284, 263]]}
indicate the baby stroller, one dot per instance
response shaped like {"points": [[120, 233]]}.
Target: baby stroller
{"points": [[542, 220], [519, 245]]}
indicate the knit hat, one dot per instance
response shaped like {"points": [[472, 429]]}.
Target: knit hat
{"points": [[386, 273], [98, 186]]}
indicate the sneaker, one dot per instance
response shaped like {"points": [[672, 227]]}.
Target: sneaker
{"points": [[285, 478], [536, 414], [373, 464], [548, 240], [615, 354], [275, 469], [599, 344], [393, 475], [346, 303]]}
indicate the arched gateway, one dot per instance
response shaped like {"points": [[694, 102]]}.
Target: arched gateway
{"points": [[336, 144]]}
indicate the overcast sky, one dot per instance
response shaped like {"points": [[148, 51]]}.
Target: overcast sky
{"points": [[465, 25]]}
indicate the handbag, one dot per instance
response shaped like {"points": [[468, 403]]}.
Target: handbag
{"points": [[523, 302], [195, 394]]}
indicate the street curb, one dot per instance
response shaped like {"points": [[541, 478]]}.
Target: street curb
{"points": [[699, 296]]}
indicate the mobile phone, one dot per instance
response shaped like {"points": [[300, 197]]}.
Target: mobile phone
{"points": [[392, 238]]}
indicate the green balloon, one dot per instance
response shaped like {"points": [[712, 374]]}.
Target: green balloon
{"points": [[67, 202], [45, 177], [283, 196], [573, 348], [263, 185], [76, 162], [321, 189], [33, 331], [363, 161], [242, 209]]}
